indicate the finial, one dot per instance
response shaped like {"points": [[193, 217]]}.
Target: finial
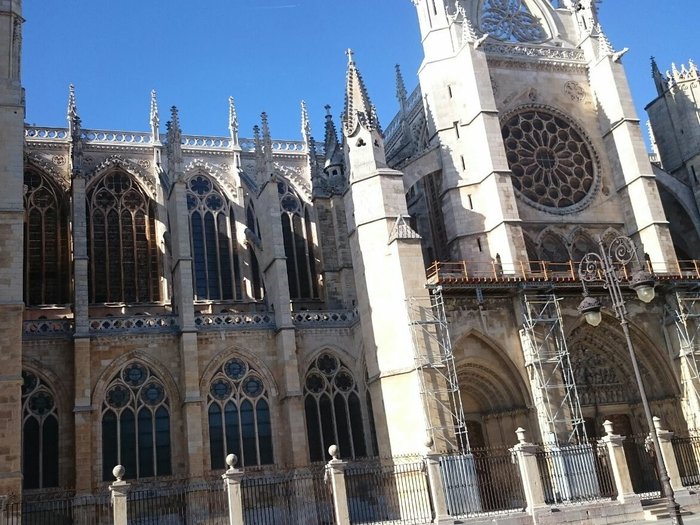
{"points": [[608, 427], [265, 126], [327, 107], [520, 433], [305, 125], [333, 452], [154, 117], [232, 120], [350, 54], [231, 460], [118, 472], [72, 108]]}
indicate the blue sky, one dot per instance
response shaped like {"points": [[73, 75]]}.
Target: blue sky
{"points": [[267, 54]]}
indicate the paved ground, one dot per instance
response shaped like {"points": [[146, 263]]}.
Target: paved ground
{"points": [[687, 520]]}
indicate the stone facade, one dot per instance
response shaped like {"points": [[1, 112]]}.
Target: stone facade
{"points": [[256, 294]]}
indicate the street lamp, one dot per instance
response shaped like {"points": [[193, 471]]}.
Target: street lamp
{"points": [[603, 267]]}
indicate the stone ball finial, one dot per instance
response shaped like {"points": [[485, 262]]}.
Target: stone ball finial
{"points": [[608, 427], [118, 472], [333, 451], [231, 460], [429, 442]]}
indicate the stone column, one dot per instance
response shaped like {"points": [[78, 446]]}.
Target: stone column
{"points": [[437, 490], [529, 472], [669, 456], [336, 469], [618, 464], [232, 481], [119, 490]]}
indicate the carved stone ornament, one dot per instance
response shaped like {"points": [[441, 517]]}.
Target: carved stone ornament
{"points": [[510, 21], [554, 166], [575, 91]]}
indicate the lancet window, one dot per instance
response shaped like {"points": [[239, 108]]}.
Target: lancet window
{"points": [[298, 244], [258, 290], [333, 410], [217, 273], [239, 416], [136, 424], [121, 241], [46, 267], [39, 434]]}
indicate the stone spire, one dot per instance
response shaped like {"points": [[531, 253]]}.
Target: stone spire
{"points": [[334, 153], [605, 48], [174, 141], [232, 121], [309, 142], [401, 93], [259, 157], [659, 80], [266, 139], [155, 118], [359, 111]]}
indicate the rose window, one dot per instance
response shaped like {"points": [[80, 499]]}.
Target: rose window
{"points": [[510, 21], [552, 162]]}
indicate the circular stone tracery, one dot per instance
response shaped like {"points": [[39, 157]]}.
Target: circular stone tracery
{"points": [[553, 164]]}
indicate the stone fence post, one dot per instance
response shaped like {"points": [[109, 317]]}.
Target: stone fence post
{"points": [[119, 490], [437, 490], [529, 472], [232, 481], [669, 456], [336, 469], [618, 464]]}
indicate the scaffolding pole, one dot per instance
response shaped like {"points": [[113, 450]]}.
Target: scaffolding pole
{"points": [[434, 361], [687, 321], [550, 372]]}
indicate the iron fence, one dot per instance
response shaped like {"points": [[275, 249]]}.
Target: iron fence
{"points": [[485, 481], [394, 490], [575, 473], [642, 465], [287, 497], [687, 452], [43, 508], [178, 502]]}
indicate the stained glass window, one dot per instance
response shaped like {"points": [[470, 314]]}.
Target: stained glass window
{"points": [[239, 416], [136, 424], [46, 262], [216, 266], [121, 241], [333, 411], [39, 434]]}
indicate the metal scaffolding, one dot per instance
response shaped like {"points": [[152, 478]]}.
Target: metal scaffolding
{"points": [[550, 372], [436, 369], [687, 321]]}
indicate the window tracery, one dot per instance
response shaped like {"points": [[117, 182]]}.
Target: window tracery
{"points": [[239, 416], [258, 290], [332, 408], [121, 241], [298, 244], [213, 238], [553, 164], [39, 434], [136, 424], [510, 21], [46, 263]]}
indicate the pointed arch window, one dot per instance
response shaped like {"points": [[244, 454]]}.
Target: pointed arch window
{"points": [[298, 244], [258, 290], [46, 266], [121, 241], [332, 409], [217, 273], [136, 424], [239, 416], [39, 434]]}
